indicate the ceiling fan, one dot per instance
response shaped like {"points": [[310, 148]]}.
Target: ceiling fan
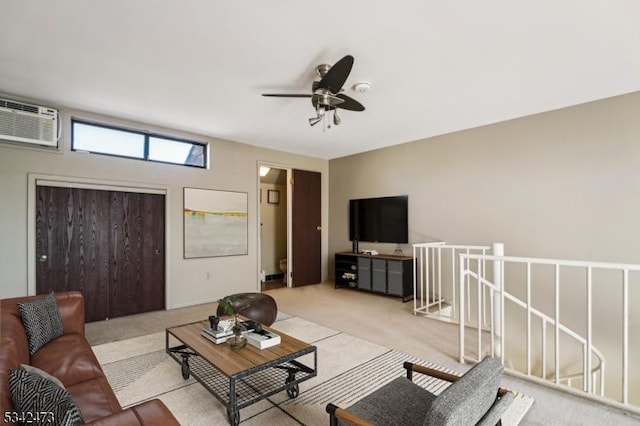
{"points": [[326, 96]]}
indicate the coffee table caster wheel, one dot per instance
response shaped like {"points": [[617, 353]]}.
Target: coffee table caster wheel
{"points": [[234, 417], [294, 390], [185, 368]]}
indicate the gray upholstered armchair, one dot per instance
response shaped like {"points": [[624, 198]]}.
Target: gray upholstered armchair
{"points": [[472, 399]]}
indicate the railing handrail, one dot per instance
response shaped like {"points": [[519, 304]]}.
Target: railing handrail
{"points": [[561, 262], [442, 244]]}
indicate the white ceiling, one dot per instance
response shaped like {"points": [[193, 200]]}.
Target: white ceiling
{"points": [[435, 66]]}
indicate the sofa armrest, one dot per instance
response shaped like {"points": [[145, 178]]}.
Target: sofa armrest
{"points": [[71, 305], [149, 413]]}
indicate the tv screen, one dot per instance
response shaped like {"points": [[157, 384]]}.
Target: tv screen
{"points": [[379, 220]]}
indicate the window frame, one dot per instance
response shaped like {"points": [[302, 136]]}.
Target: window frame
{"points": [[147, 136]]}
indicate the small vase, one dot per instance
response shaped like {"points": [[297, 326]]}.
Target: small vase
{"points": [[238, 340]]}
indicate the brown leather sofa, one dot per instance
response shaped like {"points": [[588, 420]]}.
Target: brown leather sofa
{"points": [[69, 358]]}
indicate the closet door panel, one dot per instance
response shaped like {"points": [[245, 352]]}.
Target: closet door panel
{"points": [[72, 245]]}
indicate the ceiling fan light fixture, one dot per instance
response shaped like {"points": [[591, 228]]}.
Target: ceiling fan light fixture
{"points": [[336, 119], [315, 120]]}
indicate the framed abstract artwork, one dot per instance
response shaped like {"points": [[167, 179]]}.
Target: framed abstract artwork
{"points": [[215, 223]]}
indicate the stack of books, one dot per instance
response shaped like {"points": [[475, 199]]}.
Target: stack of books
{"points": [[262, 339], [224, 330]]}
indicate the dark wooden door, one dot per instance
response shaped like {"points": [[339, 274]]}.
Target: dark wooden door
{"points": [[306, 226], [108, 245], [136, 253], [72, 245]]}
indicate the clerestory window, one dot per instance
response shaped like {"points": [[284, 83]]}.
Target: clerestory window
{"points": [[118, 142]]}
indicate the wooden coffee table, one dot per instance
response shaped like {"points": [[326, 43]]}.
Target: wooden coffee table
{"points": [[239, 378]]}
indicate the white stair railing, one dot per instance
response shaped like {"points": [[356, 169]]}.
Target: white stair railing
{"points": [[592, 375], [435, 278]]}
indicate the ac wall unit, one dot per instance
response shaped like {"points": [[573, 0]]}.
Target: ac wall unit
{"points": [[26, 123]]}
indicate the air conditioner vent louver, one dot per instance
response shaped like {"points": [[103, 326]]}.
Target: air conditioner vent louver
{"points": [[25, 123]]}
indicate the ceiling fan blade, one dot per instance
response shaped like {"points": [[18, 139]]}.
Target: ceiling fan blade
{"points": [[349, 103], [337, 75], [287, 95]]}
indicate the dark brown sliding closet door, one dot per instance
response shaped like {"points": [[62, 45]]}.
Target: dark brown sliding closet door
{"points": [[108, 245]]}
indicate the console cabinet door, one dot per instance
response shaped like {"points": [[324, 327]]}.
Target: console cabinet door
{"points": [[395, 277], [379, 276], [364, 273]]}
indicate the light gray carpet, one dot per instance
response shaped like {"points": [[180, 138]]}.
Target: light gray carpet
{"points": [[348, 369]]}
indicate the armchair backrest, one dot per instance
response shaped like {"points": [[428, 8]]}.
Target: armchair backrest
{"points": [[469, 399]]}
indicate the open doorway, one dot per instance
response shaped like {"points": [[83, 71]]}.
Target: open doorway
{"points": [[274, 237]]}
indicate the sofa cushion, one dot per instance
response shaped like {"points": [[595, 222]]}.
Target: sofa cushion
{"points": [[69, 358], [42, 321], [95, 398], [32, 393]]}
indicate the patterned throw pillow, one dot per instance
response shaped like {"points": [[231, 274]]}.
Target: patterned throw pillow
{"points": [[42, 321], [32, 393], [35, 370]]}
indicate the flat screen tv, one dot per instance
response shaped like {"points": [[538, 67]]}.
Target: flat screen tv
{"points": [[379, 220]]}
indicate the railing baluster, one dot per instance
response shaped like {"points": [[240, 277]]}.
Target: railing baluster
{"points": [[468, 294], [439, 298], [625, 337], [431, 274], [502, 337], [461, 267], [557, 323], [454, 311], [585, 368], [417, 264], [589, 361], [544, 349], [528, 318], [479, 314]]}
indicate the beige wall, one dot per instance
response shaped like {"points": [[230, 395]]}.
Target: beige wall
{"points": [[233, 167], [563, 184]]}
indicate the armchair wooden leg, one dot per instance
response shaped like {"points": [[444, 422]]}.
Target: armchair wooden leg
{"points": [[331, 409]]}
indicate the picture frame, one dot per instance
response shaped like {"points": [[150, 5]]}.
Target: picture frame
{"points": [[215, 223], [273, 196]]}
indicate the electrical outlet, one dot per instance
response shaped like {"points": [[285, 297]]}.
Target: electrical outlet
{"points": [[207, 276]]}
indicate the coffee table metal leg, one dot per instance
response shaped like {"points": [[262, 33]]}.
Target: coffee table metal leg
{"points": [[232, 410]]}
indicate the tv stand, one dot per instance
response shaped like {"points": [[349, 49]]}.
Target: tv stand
{"points": [[382, 273]]}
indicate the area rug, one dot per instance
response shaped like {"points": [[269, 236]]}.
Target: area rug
{"points": [[349, 368]]}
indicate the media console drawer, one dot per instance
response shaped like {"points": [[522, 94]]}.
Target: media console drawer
{"points": [[385, 274]]}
